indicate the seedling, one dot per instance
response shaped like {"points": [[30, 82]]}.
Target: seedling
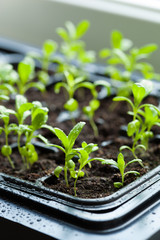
{"points": [[70, 152], [6, 150], [67, 147], [26, 72], [90, 111], [39, 116], [131, 60], [8, 78], [144, 116], [45, 59], [94, 104], [121, 165], [73, 48], [72, 85], [83, 154]]}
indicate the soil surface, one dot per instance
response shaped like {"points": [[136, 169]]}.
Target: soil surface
{"points": [[99, 180]]}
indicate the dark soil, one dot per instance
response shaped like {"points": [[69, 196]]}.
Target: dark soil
{"points": [[109, 119]]}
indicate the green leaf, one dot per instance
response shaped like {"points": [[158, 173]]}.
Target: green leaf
{"points": [[33, 158], [88, 111], [74, 133], [82, 28], [71, 29], [121, 163], [6, 150], [25, 69], [49, 47], [62, 137], [132, 172], [71, 164], [39, 117], [59, 85], [62, 33], [132, 127], [141, 90], [125, 147], [57, 171], [94, 104], [123, 57], [134, 160], [24, 108], [118, 184], [148, 49], [116, 38], [71, 105], [20, 100], [121, 98], [126, 44], [90, 147], [104, 53], [45, 140], [70, 78], [40, 86], [88, 85], [109, 162], [104, 84], [80, 174], [43, 77]]}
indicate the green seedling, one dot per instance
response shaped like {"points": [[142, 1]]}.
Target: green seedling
{"points": [[130, 60], [6, 150], [84, 159], [70, 152], [67, 147], [26, 73], [24, 132], [73, 48], [121, 165], [45, 59], [39, 116], [90, 111], [144, 116], [72, 85], [8, 78]]}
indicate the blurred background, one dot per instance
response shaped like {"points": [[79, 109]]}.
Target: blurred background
{"points": [[33, 21]]}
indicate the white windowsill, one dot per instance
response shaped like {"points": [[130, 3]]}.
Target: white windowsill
{"points": [[148, 10], [33, 21]]}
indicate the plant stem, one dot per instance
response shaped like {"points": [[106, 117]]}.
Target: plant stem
{"points": [[94, 127], [72, 118], [65, 173], [9, 158], [75, 182], [11, 162]]}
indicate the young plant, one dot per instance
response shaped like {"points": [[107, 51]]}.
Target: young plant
{"points": [[6, 150], [39, 116], [89, 111], [67, 147], [72, 85], [45, 59], [26, 74], [8, 78], [73, 48], [144, 116], [121, 165], [70, 152], [123, 61]]}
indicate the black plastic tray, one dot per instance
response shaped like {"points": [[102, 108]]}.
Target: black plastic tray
{"points": [[32, 210]]}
